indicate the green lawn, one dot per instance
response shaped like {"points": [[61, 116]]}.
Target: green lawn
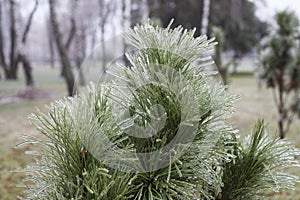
{"points": [[254, 103]]}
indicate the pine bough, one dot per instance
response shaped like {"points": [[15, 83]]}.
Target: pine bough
{"points": [[214, 166]]}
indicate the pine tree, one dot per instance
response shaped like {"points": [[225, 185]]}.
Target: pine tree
{"points": [[281, 70], [100, 143]]}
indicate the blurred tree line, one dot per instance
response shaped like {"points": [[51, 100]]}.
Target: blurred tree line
{"points": [[74, 27], [71, 29], [242, 28]]}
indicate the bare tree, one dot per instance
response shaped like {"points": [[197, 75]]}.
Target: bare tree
{"points": [[62, 49], [21, 54], [17, 49]]}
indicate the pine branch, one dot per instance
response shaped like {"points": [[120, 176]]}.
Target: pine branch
{"points": [[258, 165], [95, 144]]}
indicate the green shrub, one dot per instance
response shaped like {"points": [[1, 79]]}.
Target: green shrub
{"points": [[95, 145]]}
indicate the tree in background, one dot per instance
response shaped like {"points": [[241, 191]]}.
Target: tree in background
{"points": [[62, 48], [2, 45], [222, 68], [81, 24], [235, 17], [239, 24], [242, 29], [17, 51], [281, 69], [67, 169], [165, 10]]}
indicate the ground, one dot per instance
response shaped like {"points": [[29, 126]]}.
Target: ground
{"points": [[254, 103]]}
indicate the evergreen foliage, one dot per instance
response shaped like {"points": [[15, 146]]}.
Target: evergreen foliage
{"points": [[258, 165], [281, 70], [211, 165]]}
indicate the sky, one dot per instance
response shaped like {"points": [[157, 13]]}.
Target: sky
{"points": [[267, 10]]}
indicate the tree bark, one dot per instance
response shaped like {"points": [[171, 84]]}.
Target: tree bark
{"points": [[29, 22], [16, 55], [13, 38], [2, 46], [65, 61], [281, 106], [27, 69], [71, 34]]}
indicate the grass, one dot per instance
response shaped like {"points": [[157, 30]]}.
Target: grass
{"points": [[257, 103], [13, 124], [254, 103]]}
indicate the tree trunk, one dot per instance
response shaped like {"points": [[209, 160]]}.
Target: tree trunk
{"points": [[13, 38], [66, 64], [15, 54], [27, 70], [205, 17], [70, 37], [2, 56], [235, 63], [22, 56], [281, 106], [126, 8], [80, 74], [281, 130]]}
